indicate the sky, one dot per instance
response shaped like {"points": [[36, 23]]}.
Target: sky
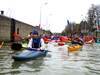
{"points": [[52, 14]]}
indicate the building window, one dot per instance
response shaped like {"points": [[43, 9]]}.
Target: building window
{"points": [[17, 30]]}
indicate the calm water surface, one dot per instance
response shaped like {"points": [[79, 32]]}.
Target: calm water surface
{"points": [[85, 62]]}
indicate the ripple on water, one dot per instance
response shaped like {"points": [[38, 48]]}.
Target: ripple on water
{"points": [[85, 62]]}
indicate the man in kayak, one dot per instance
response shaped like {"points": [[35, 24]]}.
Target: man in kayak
{"points": [[35, 41]]}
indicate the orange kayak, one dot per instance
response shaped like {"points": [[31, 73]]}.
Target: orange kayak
{"points": [[74, 48]]}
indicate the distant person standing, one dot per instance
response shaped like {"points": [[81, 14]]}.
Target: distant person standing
{"points": [[16, 45], [17, 37]]}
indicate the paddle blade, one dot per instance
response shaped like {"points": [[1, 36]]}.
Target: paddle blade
{"points": [[16, 46]]}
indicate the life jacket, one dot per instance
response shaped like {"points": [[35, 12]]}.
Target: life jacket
{"points": [[36, 42]]}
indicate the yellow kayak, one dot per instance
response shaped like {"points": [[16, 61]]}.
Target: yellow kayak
{"points": [[74, 48]]}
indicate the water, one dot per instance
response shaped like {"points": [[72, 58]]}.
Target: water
{"points": [[85, 62]]}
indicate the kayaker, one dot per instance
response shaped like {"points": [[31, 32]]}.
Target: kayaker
{"points": [[35, 41], [77, 40], [46, 39]]}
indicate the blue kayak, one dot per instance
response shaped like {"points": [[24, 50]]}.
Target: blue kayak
{"points": [[29, 54]]}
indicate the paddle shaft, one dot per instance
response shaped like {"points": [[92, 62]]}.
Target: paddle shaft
{"points": [[18, 46]]}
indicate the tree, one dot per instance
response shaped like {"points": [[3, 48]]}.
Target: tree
{"points": [[91, 17], [83, 26]]}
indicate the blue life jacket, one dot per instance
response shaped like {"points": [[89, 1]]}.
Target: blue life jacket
{"points": [[36, 43]]}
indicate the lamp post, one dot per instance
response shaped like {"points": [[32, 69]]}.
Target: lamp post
{"points": [[41, 6]]}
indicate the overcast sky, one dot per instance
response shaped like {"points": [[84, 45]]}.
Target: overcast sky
{"points": [[54, 13]]}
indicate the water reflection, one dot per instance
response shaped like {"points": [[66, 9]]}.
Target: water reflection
{"points": [[33, 65]]}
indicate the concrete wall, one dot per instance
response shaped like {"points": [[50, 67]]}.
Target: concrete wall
{"points": [[9, 25], [5, 27], [24, 29]]}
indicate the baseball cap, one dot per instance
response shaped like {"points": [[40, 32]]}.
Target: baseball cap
{"points": [[34, 32]]}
